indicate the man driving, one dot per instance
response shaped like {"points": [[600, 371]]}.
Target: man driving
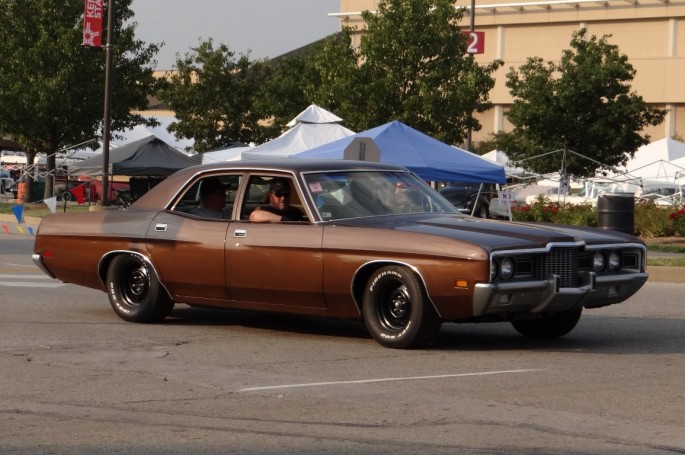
{"points": [[278, 207]]}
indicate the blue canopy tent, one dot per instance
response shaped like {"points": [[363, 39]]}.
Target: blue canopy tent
{"points": [[397, 143]]}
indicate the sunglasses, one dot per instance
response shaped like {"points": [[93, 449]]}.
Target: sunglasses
{"points": [[281, 193]]}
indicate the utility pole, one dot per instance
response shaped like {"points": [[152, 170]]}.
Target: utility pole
{"points": [[109, 48]]}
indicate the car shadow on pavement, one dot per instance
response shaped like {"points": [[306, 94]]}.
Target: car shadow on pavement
{"points": [[309, 325], [595, 334]]}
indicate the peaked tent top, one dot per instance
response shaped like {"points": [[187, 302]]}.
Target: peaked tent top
{"points": [[314, 114], [149, 156], [301, 137], [429, 158]]}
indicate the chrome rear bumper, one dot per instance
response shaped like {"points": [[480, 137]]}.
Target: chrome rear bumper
{"points": [[38, 260]]}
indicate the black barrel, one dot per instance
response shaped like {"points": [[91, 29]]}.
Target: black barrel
{"points": [[616, 211]]}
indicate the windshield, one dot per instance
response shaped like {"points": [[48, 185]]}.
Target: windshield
{"points": [[354, 194]]}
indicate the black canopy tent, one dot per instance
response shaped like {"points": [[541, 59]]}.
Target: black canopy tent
{"points": [[146, 162], [149, 157]]}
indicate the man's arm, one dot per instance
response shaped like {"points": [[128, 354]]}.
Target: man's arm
{"points": [[264, 216]]}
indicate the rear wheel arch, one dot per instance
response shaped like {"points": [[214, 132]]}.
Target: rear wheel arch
{"points": [[107, 259], [134, 289]]}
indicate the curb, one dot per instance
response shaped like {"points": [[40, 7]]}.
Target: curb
{"points": [[9, 225], [663, 274]]}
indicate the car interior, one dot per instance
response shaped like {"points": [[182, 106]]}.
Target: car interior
{"points": [[257, 195]]}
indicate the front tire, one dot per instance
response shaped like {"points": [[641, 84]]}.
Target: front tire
{"points": [[135, 292], [553, 326], [396, 309]]}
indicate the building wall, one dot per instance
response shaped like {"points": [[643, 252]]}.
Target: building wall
{"points": [[650, 32]]}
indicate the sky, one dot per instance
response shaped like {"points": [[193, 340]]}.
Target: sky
{"points": [[265, 28]]}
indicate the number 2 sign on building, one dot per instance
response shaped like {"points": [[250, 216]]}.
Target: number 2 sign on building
{"points": [[476, 42]]}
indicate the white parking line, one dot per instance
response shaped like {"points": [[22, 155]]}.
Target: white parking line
{"points": [[29, 284], [24, 276], [366, 381], [28, 280]]}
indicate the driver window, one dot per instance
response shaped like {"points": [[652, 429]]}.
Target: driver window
{"points": [[272, 199]]}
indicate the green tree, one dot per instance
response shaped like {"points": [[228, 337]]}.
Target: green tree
{"points": [[583, 104], [287, 89], [52, 87], [212, 94], [411, 66]]}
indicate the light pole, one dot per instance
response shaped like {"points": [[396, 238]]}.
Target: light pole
{"points": [[472, 27]]}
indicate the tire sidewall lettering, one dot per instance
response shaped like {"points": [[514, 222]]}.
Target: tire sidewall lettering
{"points": [[383, 275], [115, 299]]}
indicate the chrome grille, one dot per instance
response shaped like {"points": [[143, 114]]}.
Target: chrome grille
{"points": [[560, 261]]}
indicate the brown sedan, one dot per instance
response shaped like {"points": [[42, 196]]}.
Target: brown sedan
{"points": [[341, 239]]}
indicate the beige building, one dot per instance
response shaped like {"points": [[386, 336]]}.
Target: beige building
{"points": [[650, 32]]}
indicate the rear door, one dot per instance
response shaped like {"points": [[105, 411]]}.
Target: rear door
{"points": [[188, 250], [189, 255]]}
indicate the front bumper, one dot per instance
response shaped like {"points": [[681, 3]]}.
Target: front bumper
{"points": [[542, 296]]}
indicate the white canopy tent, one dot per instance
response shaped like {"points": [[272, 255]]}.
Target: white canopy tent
{"points": [[662, 160], [227, 154], [501, 158], [312, 127]]}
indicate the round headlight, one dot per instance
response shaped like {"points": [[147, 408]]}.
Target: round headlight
{"points": [[506, 268], [614, 261], [598, 262]]}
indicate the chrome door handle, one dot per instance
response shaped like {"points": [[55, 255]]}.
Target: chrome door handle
{"points": [[240, 233], [160, 227]]}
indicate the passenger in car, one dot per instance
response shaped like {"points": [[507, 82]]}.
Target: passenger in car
{"points": [[212, 199], [278, 208]]}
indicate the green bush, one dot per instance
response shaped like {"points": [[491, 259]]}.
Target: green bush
{"points": [[546, 211], [651, 220]]}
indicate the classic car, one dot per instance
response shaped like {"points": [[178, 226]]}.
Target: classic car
{"points": [[376, 243]]}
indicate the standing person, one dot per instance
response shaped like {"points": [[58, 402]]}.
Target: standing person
{"points": [[278, 208]]}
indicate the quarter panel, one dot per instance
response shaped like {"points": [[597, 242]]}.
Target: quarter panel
{"points": [[72, 244], [439, 261]]}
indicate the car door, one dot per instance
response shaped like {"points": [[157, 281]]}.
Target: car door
{"points": [[275, 263], [188, 248], [188, 253]]}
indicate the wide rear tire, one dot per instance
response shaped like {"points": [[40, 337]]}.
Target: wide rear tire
{"points": [[135, 292], [396, 309], [553, 326]]}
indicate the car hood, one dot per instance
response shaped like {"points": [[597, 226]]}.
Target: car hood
{"points": [[491, 234]]}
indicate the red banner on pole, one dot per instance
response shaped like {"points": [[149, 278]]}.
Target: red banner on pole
{"points": [[92, 23]]}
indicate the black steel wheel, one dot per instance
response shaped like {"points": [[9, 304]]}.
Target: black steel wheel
{"points": [[135, 292], [396, 309], [554, 325]]}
